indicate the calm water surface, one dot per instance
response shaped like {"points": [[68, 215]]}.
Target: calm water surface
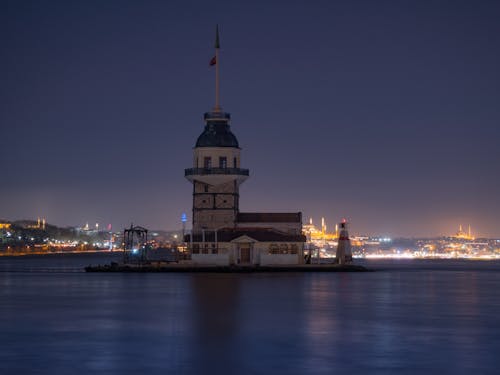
{"points": [[408, 317]]}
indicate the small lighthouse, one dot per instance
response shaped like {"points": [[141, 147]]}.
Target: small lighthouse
{"points": [[344, 254]]}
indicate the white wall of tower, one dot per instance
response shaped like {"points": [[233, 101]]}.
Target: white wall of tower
{"points": [[215, 153]]}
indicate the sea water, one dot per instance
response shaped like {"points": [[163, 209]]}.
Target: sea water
{"points": [[410, 316]]}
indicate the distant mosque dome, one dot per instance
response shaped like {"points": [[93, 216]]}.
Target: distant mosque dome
{"points": [[217, 132]]}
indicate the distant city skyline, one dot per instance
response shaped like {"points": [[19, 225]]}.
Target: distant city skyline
{"points": [[386, 114], [330, 227]]}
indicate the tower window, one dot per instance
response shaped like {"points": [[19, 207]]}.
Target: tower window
{"points": [[222, 162], [234, 163], [206, 188], [207, 162]]}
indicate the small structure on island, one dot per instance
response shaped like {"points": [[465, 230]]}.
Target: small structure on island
{"points": [[135, 245], [221, 234], [344, 254]]}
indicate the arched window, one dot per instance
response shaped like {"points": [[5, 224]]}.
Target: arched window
{"points": [[283, 248], [274, 249]]}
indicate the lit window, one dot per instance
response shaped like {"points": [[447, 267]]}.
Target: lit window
{"points": [[222, 162], [274, 249], [207, 162]]}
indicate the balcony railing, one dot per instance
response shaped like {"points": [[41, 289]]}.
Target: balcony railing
{"points": [[217, 115], [212, 171]]}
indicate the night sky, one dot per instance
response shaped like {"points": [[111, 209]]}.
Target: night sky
{"points": [[383, 112]]}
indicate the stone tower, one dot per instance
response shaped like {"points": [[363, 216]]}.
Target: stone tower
{"points": [[216, 174]]}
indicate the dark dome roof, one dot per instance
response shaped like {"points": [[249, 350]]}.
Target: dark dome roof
{"points": [[217, 134]]}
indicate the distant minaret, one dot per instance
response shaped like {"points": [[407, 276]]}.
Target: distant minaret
{"points": [[344, 254], [110, 237], [216, 174]]}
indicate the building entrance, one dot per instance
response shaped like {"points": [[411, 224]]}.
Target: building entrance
{"points": [[245, 254]]}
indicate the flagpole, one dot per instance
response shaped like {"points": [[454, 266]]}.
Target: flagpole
{"points": [[217, 107], [217, 46]]}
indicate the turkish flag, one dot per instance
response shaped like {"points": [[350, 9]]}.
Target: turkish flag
{"points": [[213, 61]]}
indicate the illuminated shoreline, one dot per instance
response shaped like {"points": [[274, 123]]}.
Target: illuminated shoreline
{"points": [[25, 253]]}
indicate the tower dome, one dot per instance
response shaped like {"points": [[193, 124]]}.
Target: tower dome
{"points": [[217, 132]]}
